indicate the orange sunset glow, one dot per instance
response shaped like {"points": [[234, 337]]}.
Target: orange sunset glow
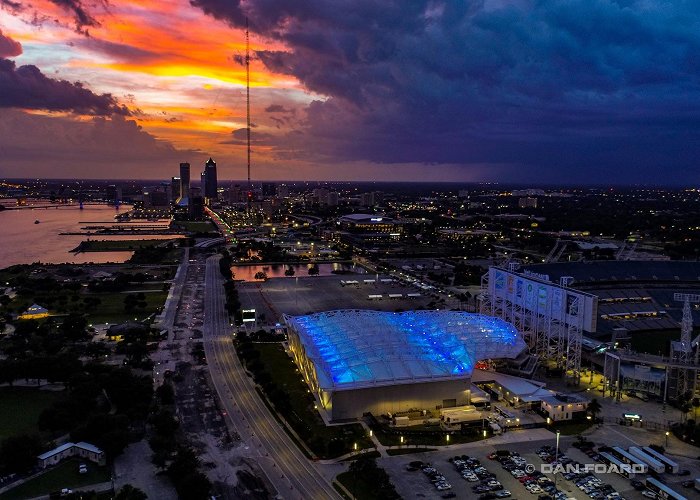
{"points": [[179, 71]]}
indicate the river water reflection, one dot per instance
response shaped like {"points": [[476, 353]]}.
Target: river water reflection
{"points": [[22, 241]]}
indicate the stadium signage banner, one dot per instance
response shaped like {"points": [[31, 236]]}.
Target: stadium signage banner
{"points": [[543, 297]]}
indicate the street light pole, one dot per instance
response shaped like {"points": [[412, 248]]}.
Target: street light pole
{"points": [[556, 462], [667, 433]]}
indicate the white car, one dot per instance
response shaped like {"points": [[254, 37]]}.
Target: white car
{"points": [[648, 494]]}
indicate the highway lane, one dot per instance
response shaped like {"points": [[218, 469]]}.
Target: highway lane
{"points": [[287, 468]]}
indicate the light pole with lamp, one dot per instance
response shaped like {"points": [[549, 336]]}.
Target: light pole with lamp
{"points": [[667, 433], [556, 462]]}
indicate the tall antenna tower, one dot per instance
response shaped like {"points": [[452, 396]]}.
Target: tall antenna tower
{"points": [[247, 97]]}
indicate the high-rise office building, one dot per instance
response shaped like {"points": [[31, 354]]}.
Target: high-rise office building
{"points": [[211, 185], [283, 191], [269, 189], [203, 181], [174, 189], [195, 209], [184, 182]]}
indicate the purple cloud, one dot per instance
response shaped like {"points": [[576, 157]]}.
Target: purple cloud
{"points": [[27, 87], [560, 89], [9, 47], [101, 147]]}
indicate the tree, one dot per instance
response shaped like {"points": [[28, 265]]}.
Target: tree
{"points": [[684, 404], [313, 270], [260, 275], [18, 453], [166, 394], [128, 492], [594, 408], [74, 327], [188, 481], [289, 271]]}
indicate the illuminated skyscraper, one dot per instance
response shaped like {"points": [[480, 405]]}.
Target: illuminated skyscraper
{"points": [[184, 183], [211, 184], [174, 189]]}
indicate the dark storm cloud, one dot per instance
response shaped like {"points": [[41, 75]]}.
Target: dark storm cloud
{"points": [[9, 47], [225, 10], [11, 6], [239, 137], [278, 108], [549, 85], [27, 87]]}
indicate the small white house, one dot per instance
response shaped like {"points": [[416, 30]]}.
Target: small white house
{"points": [[68, 450], [570, 407]]}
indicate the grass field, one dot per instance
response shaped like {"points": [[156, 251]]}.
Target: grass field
{"points": [[283, 372], [358, 486], [430, 437], [119, 245], [20, 408], [197, 227], [111, 309], [407, 451], [65, 475]]}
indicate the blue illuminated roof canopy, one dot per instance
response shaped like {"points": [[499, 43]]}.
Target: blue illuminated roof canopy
{"points": [[358, 348]]}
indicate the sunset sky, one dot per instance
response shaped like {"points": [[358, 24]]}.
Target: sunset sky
{"points": [[562, 91]]}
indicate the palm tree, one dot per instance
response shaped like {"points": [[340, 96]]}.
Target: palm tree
{"points": [[594, 408], [684, 404]]}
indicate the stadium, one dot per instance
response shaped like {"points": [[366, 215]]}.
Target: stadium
{"points": [[622, 316], [359, 361]]}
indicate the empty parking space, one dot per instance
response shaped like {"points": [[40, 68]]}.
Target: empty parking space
{"points": [[298, 296]]}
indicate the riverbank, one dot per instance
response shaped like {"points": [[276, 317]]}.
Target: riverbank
{"points": [[118, 245]]}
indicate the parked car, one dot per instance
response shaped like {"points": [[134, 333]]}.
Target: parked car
{"points": [[638, 485]]}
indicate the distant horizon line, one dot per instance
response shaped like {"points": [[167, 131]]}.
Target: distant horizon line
{"points": [[554, 185]]}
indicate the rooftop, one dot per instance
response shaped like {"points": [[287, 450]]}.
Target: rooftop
{"points": [[359, 348], [365, 218], [621, 271]]}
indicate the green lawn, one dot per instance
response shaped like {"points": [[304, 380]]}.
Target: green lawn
{"points": [[303, 418], [367, 454], [197, 227], [111, 309], [407, 451], [358, 486], [65, 475], [119, 245], [429, 438], [20, 408]]}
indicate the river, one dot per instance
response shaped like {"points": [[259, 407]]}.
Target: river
{"points": [[24, 242]]}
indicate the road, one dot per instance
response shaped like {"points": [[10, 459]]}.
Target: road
{"points": [[286, 467]]}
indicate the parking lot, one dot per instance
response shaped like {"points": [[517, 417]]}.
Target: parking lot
{"points": [[416, 484], [304, 295]]}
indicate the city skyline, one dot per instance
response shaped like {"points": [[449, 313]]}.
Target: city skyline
{"points": [[544, 92]]}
